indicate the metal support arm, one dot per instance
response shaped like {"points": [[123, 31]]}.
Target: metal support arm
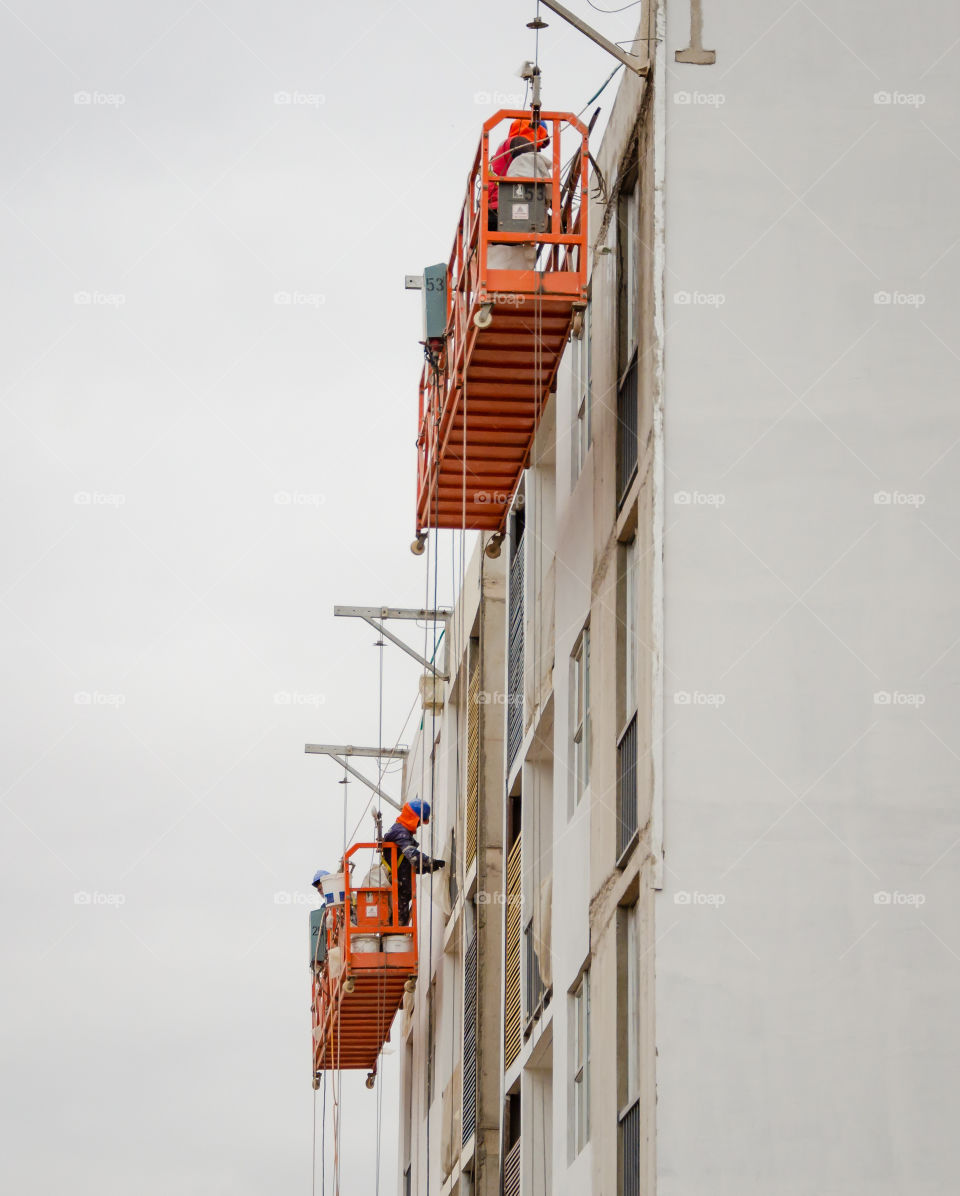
{"points": [[375, 616], [631, 61], [340, 752]]}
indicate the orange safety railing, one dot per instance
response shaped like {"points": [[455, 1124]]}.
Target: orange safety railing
{"points": [[533, 308], [369, 910], [354, 1004]]}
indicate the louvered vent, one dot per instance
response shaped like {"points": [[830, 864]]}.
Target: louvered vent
{"points": [[473, 760], [511, 970], [470, 1041], [630, 1151], [515, 658], [627, 788], [511, 1171]]}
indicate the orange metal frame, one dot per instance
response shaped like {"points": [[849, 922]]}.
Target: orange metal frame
{"points": [[480, 406], [353, 1011]]}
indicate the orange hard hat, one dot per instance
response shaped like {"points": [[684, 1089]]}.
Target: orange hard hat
{"points": [[524, 128]]}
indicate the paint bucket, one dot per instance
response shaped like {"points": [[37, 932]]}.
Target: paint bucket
{"points": [[333, 888], [395, 944], [364, 944]]}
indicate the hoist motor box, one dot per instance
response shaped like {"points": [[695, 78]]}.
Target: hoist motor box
{"points": [[522, 208], [318, 939], [434, 302]]}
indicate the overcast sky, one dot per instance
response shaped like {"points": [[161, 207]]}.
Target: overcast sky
{"points": [[196, 471]]}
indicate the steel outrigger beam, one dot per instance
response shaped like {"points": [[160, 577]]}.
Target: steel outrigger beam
{"points": [[340, 752], [376, 615], [639, 65]]}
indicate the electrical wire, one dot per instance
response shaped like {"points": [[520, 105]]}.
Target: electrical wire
{"points": [[338, 1083], [433, 809], [381, 1012], [610, 11], [432, 557], [323, 1141], [596, 95], [395, 768]]}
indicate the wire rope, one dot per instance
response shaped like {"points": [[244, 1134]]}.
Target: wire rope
{"points": [[381, 981]]}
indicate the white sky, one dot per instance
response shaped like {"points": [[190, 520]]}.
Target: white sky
{"points": [[162, 1044]]}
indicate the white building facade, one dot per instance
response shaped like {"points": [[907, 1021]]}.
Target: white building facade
{"points": [[699, 936]]}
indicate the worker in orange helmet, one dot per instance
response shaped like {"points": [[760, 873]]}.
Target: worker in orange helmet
{"points": [[522, 135], [412, 858]]}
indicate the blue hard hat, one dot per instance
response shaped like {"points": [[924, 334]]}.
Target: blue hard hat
{"points": [[421, 809], [319, 875]]}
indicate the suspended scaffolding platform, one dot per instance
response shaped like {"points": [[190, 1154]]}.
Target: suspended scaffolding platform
{"points": [[512, 294], [364, 962]]}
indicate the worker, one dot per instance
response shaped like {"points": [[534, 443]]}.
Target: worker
{"points": [[520, 138], [526, 162], [318, 924], [410, 856]]}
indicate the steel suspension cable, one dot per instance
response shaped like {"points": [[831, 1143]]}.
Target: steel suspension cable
{"points": [[381, 1013]]}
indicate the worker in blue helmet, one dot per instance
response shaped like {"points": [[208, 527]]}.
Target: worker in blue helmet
{"points": [[412, 858], [318, 923]]}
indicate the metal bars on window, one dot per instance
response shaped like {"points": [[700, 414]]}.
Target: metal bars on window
{"points": [[473, 760], [515, 657], [627, 788], [630, 1151], [470, 1041], [535, 988], [627, 425], [511, 1171], [512, 1035]]}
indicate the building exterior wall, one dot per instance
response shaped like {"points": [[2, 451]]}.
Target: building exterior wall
{"points": [[771, 959], [805, 1033], [573, 888], [474, 627]]}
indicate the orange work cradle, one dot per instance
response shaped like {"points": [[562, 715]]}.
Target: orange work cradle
{"points": [[484, 385], [358, 990]]}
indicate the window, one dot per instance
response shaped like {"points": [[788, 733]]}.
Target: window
{"points": [[580, 702], [631, 1012], [628, 1019], [582, 379], [453, 864], [406, 1107], [580, 1041], [536, 990], [629, 959], [630, 628], [511, 1156], [515, 636], [432, 1039], [628, 332], [512, 1013], [469, 1083], [472, 813], [627, 668], [628, 271]]}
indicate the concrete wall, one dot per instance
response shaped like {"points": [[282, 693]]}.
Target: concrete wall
{"points": [[441, 953], [807, 1034]]}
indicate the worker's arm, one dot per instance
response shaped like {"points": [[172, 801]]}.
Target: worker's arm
{"points": [[411, 851], [418, 861]]}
